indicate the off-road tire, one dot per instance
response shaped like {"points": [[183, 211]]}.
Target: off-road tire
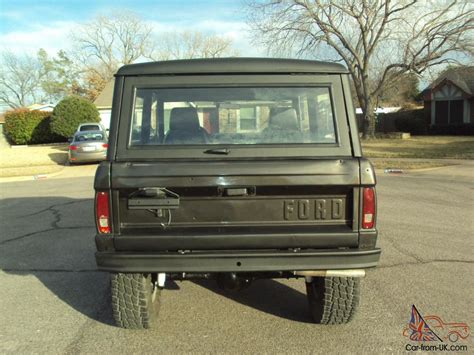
{"points": [[333, 300], [135, 300]]}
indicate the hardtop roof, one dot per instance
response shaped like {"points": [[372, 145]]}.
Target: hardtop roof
{"points": [[231, 66]]}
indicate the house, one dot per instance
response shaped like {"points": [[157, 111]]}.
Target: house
{"points": [[449, 99], [103, 102]]}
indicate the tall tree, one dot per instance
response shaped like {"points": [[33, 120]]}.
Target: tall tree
{"points": [[109, 42], [193, 44], [60, 75], [402, 91], [378, 40], [20, 77]]}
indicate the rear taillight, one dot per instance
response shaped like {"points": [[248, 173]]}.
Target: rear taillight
{"points": [[105, 145], [102, 211], [72, 147], [368, 207]]}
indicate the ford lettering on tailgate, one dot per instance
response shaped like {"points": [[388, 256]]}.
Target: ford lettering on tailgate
{"points": [[314, 209]]}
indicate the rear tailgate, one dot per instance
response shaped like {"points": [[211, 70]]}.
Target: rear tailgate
{"points": [[238, 205]]}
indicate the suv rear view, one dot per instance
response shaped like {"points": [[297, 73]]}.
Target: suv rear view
{"points": [[234, 169]]}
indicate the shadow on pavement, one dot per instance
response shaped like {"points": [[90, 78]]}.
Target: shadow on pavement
{"points": [[59, 158], [52, 239], [269, 296], [44, 238]]}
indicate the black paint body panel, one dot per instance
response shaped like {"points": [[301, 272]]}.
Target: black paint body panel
{"points": [[267, 208], [231, 261]]}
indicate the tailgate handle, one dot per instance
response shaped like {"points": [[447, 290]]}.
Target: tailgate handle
{"points": [[236, 191]]}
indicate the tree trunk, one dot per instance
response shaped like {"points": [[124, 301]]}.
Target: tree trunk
{"points": [[369, 121]]}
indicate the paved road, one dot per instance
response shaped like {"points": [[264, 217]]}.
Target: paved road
{"points": [[52, 300]]}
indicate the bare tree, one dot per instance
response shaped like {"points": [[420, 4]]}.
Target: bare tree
{"points": [[378, 40], [20, 79], [109, 42], [193, 44]]}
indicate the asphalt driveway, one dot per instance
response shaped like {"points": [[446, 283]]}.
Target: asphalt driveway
{"points": [[53, 300]]}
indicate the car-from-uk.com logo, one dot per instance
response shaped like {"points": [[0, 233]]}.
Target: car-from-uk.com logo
{"points": [[431, 333]]}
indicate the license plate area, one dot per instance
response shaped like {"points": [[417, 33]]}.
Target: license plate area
{"points": [[88, 149]]}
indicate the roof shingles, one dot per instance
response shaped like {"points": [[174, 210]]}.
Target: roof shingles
{"points": [[104, 100], [462, 77]]}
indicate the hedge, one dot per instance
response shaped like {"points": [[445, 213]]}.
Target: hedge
{"points": [[411, 121], [23, 126], [70, 112], [460, 129]]}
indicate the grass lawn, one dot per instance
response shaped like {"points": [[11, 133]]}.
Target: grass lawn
{"points": [[34, 160], [423, 147]]}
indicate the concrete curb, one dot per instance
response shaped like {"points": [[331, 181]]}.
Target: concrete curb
{"points": [[433, 168], [419, 170], [24, 146], [31, 177]]}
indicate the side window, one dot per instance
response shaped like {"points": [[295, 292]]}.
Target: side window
{"points": [[137, 120], [321, 119], [145, 127], [325, 113]]}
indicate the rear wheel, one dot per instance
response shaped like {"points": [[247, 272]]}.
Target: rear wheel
{"points": [[333, 300], [135, 300]]}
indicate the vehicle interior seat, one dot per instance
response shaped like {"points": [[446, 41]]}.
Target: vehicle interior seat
{"points": [[285, 119], [185, 127], [283, 126]]}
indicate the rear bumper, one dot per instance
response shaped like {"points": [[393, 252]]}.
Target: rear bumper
{"points": [[87, 156], [237, 261]]}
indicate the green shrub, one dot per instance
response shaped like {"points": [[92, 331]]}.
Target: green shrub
{"points": [[411, 121], [70, 112], [411, 125], [23, 126]]}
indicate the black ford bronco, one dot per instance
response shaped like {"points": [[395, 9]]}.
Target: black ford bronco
{"points": [[234, 169]]}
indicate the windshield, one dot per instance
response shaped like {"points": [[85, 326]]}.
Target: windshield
{"points": [[232, 116], [89, 127], [90, 136]]}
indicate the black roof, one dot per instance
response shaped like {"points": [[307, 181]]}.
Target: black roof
{"points": [[232, 65]]}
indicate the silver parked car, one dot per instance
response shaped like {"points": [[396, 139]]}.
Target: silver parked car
{"points": [[88, 146]]}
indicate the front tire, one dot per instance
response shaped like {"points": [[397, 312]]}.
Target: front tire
{"points": [[333, 300], [135, 300]]}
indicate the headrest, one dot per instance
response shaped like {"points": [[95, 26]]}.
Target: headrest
{"points": [[184, 118], [284, 119]]}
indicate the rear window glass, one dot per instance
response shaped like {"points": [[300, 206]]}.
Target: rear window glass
{"points": [[84, 137], [240, 116], [91, 127]]}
